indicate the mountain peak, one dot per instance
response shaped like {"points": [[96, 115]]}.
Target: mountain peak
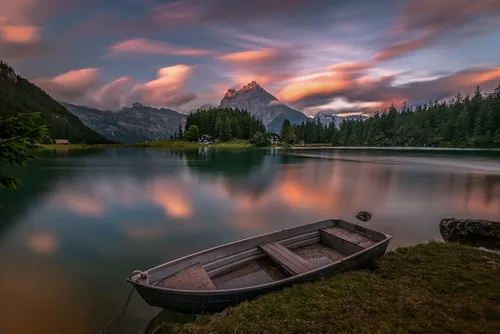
{"points": [[230, 92], [250, 86], [7, 72], [138, 105]]}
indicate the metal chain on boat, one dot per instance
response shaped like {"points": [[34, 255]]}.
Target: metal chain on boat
{"points": [[115, 319]]}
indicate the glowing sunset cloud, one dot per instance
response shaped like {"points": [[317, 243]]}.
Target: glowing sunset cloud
{"points": [[19, 34], [147, 46], [173, 54]]}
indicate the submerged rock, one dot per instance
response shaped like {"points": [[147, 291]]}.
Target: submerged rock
{"points": [[474, 232], [364, 216]]}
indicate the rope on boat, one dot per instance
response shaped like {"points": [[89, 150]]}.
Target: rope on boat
{"points": [[115, 319]]}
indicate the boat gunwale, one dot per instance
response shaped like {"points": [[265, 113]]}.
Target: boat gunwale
{"points": [[260, 286]]}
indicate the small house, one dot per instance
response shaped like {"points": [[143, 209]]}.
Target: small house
{"points": [[205, 139], [274, 138], [62, 141]]}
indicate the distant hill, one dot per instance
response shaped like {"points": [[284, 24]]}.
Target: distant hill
{"points": [[261, 104], [137, 123], [18, 95], [327, 117], [294, 116]]}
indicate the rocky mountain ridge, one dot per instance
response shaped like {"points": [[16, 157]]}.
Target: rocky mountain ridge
{"points": [[260, 103], [18, 96], [137, 123]]}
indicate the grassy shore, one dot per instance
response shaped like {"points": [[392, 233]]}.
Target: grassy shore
{"points": [[177, 144], [187, 144], [431, 288], [77, 146]]}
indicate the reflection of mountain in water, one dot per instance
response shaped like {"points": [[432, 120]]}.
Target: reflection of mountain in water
{"points": [[249, 172], [212, 162]]}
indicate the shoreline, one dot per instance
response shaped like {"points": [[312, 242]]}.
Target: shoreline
{"points": [[242, 144], [434, 287]]}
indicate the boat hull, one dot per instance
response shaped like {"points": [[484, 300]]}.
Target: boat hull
{"points": [[217, 300]]}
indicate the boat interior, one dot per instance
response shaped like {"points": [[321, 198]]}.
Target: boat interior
{"points": [[266, 259]]}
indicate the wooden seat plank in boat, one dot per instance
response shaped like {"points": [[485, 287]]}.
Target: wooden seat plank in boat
{"points": [[353, 237], [191, 278], [293, 263]]}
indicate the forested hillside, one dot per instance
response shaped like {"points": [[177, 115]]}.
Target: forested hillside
{"points": [[18, 95], [225, 123], [461, 122]]}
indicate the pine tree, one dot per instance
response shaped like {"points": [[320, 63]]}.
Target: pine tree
{"points": [[225, 129], [179, 132], [287, 133]]}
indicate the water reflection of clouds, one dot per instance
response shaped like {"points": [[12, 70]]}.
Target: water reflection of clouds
{"points": [[172, 196], [478, 194], [42, 243], [79, 202]]}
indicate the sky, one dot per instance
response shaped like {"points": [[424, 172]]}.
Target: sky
{"points": [[314, 55]]}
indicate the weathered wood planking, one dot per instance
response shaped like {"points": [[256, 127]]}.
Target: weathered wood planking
{"points": [[191, 278], [359, 239], [293, 263]]}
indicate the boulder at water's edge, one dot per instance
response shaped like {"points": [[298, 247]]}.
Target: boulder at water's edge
{"points": [[476, 232]]}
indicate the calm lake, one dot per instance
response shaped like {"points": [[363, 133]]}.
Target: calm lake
{"points": [[84, 220]]}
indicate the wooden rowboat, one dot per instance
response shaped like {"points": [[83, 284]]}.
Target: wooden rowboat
{"points": [[216, 278]]}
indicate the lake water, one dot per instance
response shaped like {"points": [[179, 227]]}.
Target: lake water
{"points": [[84, 220]]}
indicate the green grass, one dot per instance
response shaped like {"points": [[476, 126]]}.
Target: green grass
{"points": [[431, 288], [161, 143], [76, 146]]}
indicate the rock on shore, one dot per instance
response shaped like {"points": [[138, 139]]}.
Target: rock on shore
{"points": [[476, 232]]}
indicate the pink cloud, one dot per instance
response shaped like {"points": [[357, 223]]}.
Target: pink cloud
{"points": [[72, 85], [167, 89], [267, 66], [112, 95], [355, 86], [250, 56], [149, 46], [84, 87], [401, 48], [19, 33], [333, 80]]}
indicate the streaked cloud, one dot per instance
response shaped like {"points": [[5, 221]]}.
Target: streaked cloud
{"points": [[83, 86], [19, 33], [166, 89], [401, 48], [266, 66], [354, 85], [431, 22], [314, 54], [112, 95], [139, 46], [72, 85]]}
